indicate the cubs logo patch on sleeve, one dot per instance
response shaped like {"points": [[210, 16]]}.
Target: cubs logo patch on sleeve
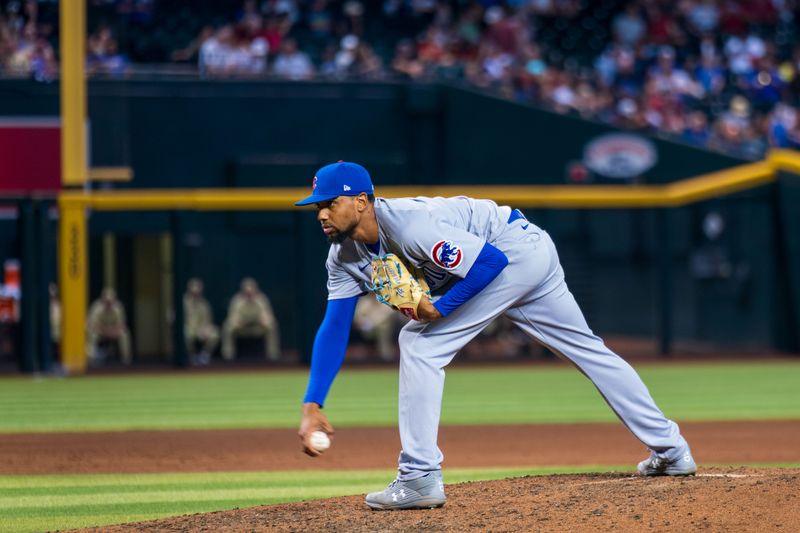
{"points": [[446, 254]]}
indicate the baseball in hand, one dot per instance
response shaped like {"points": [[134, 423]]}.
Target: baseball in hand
{"points": [[319, 441]]}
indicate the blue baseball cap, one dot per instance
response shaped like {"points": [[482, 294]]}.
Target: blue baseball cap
{"points": [[338, 179]]}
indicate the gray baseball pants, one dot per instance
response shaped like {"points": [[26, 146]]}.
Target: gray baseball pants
{"points": [[532, 292]]}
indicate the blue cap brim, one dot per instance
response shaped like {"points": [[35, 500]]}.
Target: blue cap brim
{"points": [[316, 198]]}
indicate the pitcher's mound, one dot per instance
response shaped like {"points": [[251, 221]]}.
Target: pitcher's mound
{"points": [[717, 499]]}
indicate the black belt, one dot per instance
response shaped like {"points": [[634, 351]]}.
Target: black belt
{"points": [[516, 214]]}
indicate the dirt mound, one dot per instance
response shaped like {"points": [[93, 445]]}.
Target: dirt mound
{"points": [[739, 499]]}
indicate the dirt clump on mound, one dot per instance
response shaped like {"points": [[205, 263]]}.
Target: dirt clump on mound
{"points": [[718, 499]]}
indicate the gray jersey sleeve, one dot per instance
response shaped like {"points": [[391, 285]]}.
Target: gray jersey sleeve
{"points": [[341, 284], [440, 245]]}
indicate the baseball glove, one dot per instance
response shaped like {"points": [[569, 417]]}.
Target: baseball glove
{"points": [[397, 286]]}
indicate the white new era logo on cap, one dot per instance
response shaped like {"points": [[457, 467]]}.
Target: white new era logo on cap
{"points": [[346, 187]]}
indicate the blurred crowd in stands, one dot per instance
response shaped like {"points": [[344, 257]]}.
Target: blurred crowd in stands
{"points": [[723, 74], [26, 42]]}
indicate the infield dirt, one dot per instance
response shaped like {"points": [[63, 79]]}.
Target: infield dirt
{"points": [[717, 500], [464, 446]]}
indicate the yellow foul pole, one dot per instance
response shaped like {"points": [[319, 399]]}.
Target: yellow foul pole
{"points": [[72, 223]]}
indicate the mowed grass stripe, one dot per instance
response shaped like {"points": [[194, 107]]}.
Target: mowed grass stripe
{"points": [[518, 394], [161, 495], [22, 505], [280, 478], [136, 497], [16, 494], [51, 518]]}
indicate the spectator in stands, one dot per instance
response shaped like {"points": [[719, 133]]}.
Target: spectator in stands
{"points": [[368, 64], [353, 12], [733, 19], [406, 64], [503, 32], [319, 20], [276, 28], [710, 74], [327, 63], [102, 54], [344, 58], [254, 53], [703, 16], [734, 132], [24, 49], [468, 29], [192, 50], [107, 328], [658, 58], [628, 115], [672, 80], [696, 131], [199, 332], [782, 127], [629, 27], [249, 15], [33, 57], [215, 59], [228, 54], [763, 85], [250, 315], [661, 25], [292, 63], [282, 8], [42, 61]]}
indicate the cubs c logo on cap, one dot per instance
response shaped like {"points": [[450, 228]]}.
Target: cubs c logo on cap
{"points": [[314, 183], [446, 255]]}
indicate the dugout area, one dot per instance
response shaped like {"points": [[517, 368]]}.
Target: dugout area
{"points": [[777, 171]]}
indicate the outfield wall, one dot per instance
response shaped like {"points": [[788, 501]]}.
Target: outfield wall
{"points": [[232, 134]]}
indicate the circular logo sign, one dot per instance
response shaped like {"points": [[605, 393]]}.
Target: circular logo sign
{"points": [[620, 155]]}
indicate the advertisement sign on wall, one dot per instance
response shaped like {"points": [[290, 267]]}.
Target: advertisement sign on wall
{"points": [[620, 155], [30, 154]]}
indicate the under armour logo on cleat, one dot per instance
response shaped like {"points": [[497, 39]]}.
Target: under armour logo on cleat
{"points": [[346, 187], [402, 494]]}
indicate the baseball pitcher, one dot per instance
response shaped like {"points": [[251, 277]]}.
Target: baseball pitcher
{"points": [[453, 265]]}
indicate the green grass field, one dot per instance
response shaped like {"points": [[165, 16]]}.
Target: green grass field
{"points": [[499, 395], [723, 391]]}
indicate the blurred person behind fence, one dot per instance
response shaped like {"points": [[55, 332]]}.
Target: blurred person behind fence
{"points": [[107, 324], [250, 315], [199, 332], [378, 323], [292, 63], [55, 315]]}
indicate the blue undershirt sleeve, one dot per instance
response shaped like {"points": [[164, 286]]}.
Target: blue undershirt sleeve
{"points": [[488, 265], [329, 349]]}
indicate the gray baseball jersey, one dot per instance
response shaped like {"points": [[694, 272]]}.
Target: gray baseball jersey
{"points": [[443, 237], [440, 236]]}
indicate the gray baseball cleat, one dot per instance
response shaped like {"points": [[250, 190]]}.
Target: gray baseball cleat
{"points": [[426, 492], [684, 465]]}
